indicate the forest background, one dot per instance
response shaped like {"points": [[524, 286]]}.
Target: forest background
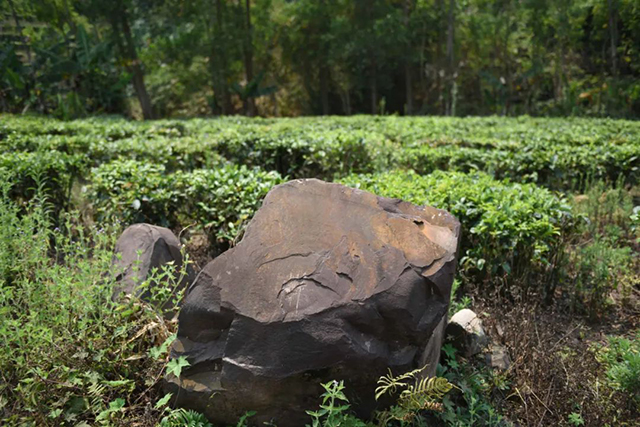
{"points": [[186, 58]]}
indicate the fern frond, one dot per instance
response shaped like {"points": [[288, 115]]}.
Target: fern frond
{"points": [[425, 394], [97, 390], [434, 387], [389, 383]]}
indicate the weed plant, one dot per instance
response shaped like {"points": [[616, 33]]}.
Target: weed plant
{"points": [[602, 258], [70, 354]]}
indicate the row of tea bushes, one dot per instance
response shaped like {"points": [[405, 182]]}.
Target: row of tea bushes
{"points": [[511, 232], [558, 167], [50, 171], [322, 153], [559, 154], [175, 153], [491, 132], [221, 200]]}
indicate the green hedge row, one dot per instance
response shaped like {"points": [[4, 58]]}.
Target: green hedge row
{"points": [[51, 171], [221, 200], [511, 232], [558, 167], [557, 153]]}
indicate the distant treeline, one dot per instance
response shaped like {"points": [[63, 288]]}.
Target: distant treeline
{"points": [[183, 58]]}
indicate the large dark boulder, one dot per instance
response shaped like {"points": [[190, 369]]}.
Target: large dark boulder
{"points": [[329, 282], [140, 249]]}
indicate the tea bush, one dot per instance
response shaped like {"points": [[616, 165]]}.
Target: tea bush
{"points": [[54, 171], [301, 153], [133, 191], [560, 154], [221, 200], [510, 231], [554, 166]]}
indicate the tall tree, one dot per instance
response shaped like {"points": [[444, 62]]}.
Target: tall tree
{"points": [[451, 67], [119, 18], [249, 101], [218, 59], [323, 71], [408, 85], [613, 29]]}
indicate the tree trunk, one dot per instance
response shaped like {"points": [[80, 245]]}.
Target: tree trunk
{"points": [[324, 88], [218, 64], [323, 51], [133, 63], [374, 87], [507, 69], [440, 61], [347, 96], [613, 37], [408, 109], [450, 55], [249, 101]]}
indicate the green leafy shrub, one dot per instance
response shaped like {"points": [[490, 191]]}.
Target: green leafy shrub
{"points": [[16, 231], [509, 231], [221, 200], [50, 171], [299, 152], [133, 191], [558, 167]]}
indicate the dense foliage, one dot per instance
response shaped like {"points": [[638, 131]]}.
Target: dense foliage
{"points": [[561, 154], [279, 57], [220, 200], [70, 354], [511, 232]]}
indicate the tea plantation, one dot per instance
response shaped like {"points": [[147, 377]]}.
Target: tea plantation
{"points": [[550, 214]]}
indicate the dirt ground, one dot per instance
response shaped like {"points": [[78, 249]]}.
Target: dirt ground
{"points": [[554, 370]]}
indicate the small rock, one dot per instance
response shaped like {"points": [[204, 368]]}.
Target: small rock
{"points": [[500, 331], [142, 248], [466, 334], [498, 358]]}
